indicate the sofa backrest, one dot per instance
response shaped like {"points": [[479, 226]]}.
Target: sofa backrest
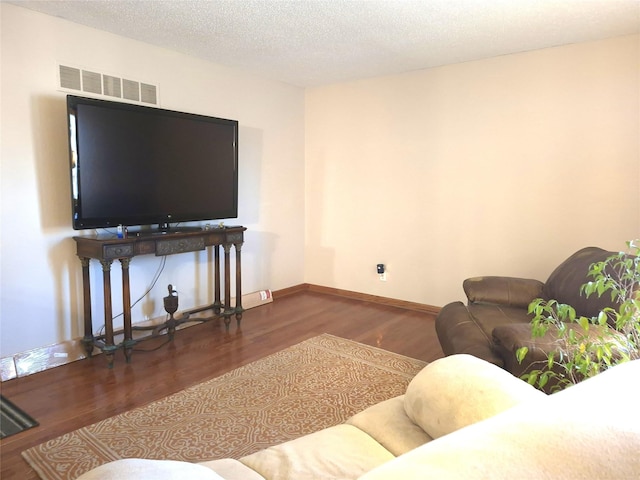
{"points": [[565, 282]]}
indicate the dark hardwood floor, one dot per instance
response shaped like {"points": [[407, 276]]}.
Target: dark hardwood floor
{"points": [[66, 398]]}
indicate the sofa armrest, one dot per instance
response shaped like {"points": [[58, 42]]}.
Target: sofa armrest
{"points": [[512, 291]]}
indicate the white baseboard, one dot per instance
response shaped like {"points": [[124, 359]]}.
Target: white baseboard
{"points": [[43, 358]]}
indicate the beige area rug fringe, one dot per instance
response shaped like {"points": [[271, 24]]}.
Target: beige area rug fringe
{"points": [[312, 385]]}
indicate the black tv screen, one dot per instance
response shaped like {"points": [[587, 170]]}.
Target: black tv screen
{"points": [[138, 165]]}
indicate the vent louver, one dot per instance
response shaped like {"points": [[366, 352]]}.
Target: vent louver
{"points": [[112, 86], [148, 93], [70, 78], [131, 90], [91, 82], [80, 80]]}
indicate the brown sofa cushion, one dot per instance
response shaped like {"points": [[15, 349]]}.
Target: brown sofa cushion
{"points": [[469, 328], [508, 339]]}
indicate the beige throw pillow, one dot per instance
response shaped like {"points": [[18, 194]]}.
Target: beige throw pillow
{"points": [[459, 390]]}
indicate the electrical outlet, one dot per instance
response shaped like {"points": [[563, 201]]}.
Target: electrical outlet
{"points": [[382, 271]]}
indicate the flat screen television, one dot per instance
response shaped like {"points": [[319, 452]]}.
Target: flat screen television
{"points": [[138, 165]]}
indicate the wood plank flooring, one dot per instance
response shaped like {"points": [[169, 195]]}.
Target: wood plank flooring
{"points": [[66, 398]]}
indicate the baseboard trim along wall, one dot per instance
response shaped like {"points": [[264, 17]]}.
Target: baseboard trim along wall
{"points": [[392, 302], [43, 358]]}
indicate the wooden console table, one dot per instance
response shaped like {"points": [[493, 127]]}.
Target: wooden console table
{"points": [[107, 248]]}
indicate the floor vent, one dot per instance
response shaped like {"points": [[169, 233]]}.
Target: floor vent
{"points": [[95, 83]]}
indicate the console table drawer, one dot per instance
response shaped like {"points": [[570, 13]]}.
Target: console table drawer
{"points": [[118, 251], [179, 245]]}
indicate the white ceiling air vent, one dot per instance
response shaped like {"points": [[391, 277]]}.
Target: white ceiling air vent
{"points": [[148, 93], [91, 82], [80, 80], [112, 86], [131, 90], [70, 78]]}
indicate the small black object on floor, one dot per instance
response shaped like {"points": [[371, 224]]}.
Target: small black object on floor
{"points": [[12, 419]]}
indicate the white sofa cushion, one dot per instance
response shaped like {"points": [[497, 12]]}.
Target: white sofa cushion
{"points": [[340, 452], [155, 469], [456, 391], [231, 469], [388, 423]]}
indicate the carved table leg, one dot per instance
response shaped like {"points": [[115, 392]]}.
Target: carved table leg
{"points": [[227, 286], [239, 308], [128, 342], [87, 340], [217, 304], [109, 347]]}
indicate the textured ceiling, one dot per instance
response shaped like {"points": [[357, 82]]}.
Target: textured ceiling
{"points": [[316, 42]]}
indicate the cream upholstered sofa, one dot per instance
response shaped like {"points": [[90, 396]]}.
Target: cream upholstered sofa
{"points": [[461, 417]]}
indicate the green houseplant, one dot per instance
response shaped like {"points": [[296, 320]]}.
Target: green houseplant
{"points": [[584, 347]]}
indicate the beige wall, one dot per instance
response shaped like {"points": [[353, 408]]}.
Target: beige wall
{"points": [[503, 166], [40, 292]]}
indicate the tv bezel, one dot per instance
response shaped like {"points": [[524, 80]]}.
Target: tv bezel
{"points": [[164, 220]]}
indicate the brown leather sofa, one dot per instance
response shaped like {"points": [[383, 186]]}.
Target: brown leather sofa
{"points": [[494, 323]]}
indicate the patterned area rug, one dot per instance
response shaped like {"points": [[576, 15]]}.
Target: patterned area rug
{"points": [[313, 385]]}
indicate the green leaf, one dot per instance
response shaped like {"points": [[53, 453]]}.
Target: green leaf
{"points": [[521, 353], [602, 318], [599, 353], [584, 323], [544, 379]]}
